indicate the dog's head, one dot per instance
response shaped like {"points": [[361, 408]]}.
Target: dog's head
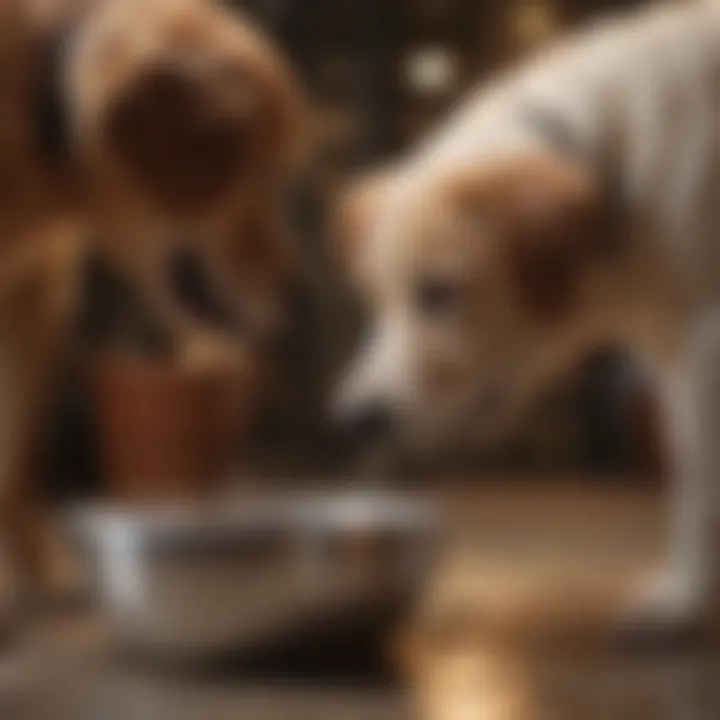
{"points": [[183, 121], [471, 278], [178, 106]]}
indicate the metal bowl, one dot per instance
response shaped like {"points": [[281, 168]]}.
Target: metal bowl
{"points": [[220, 576]]}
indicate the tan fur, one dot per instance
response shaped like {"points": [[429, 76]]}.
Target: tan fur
{"points": [[544, 213], [518, 239], [156, 90]]}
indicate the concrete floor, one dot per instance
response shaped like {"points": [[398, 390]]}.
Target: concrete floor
{"points": [[66, 670], [516, 626]]}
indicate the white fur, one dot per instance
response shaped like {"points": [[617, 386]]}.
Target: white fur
{"points": [[644, 90]]}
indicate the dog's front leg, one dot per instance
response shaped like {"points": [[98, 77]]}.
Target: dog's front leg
{"points": [[682, 596], [36, 306]]}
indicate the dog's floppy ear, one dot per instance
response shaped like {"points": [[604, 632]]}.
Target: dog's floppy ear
{"points": [[544, 212], [357, 206]]}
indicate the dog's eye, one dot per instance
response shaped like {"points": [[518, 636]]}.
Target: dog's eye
{"points": [[436, 296]]}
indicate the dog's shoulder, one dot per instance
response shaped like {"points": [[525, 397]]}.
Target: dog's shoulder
{"points": [[581, 77]]}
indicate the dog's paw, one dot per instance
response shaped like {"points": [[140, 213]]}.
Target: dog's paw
{"points": [[668, 613]]}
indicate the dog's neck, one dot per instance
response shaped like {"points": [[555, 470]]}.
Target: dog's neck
{"points": [[628, 298]]}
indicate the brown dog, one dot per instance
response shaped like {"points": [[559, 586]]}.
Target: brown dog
{"points": [[146, 124]]}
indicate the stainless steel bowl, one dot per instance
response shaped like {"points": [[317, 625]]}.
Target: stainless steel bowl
{"points": [[216, 577]]}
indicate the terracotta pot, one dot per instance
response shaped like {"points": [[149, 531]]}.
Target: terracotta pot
{"points": [[649, 434], [166, 430]]}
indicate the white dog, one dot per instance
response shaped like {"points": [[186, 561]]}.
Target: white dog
{"points": [[575, 201]]}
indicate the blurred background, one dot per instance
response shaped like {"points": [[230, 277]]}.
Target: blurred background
{"points": [[377, 74]]}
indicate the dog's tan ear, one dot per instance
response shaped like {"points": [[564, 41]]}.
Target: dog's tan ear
{"points": [[545, 213], [357, 206]]}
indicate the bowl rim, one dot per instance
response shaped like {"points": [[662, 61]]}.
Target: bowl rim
{"points": [[234, 519]]}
